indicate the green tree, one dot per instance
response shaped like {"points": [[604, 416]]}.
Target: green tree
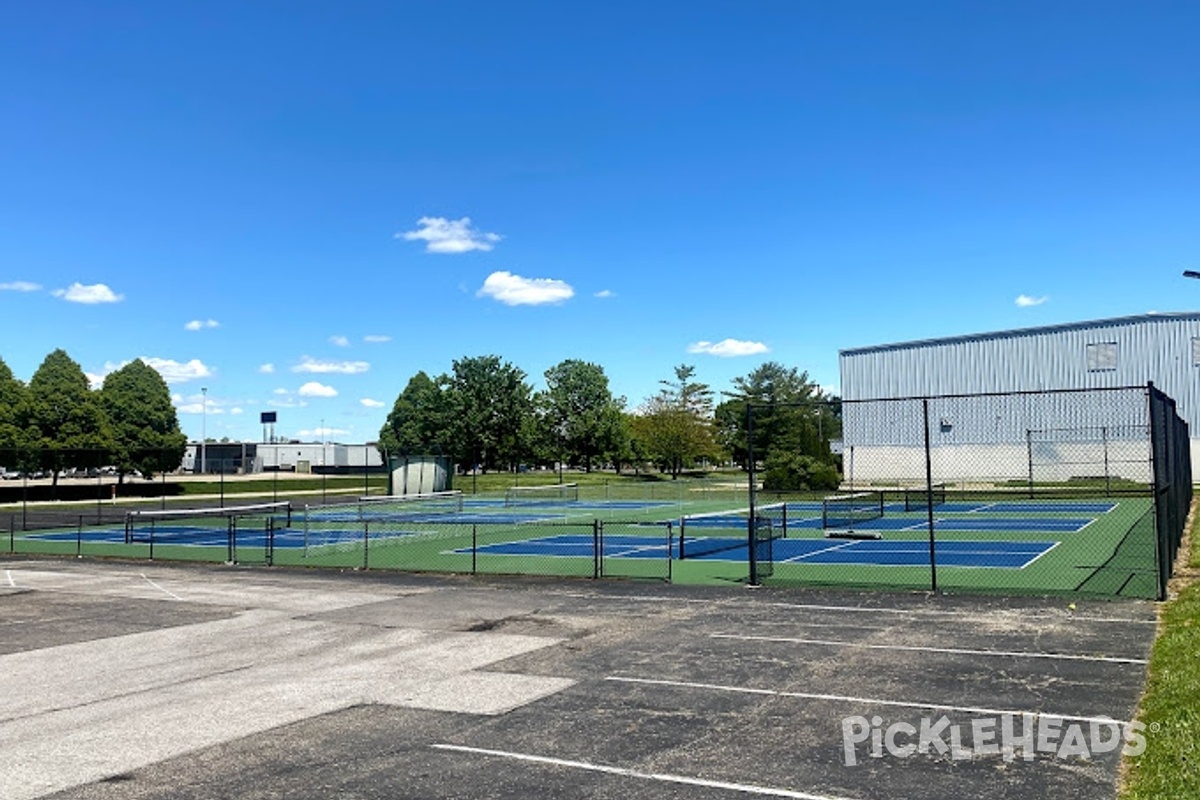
{"points": [[581, 411], [490, 402], [12, 403], [794, 421], [146, 438], [64, 420], [419, 421], [676, 426]]}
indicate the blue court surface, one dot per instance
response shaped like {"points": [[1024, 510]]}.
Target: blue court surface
{"points": [[914, 523], [981, 553]]}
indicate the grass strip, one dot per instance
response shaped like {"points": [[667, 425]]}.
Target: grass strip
{"points": [[1170, 766]]}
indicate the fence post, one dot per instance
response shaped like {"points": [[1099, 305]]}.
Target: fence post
{"points": [[1107, 477], [752, 555], [1028, 456], [366, 544], [474, 548], [597, 557], [670, 538], [929, 505], [79, 538]]}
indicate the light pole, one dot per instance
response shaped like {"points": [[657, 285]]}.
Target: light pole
{"points": [[203, 424]]}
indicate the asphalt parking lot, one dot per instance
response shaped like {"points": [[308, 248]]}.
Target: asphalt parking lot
{"points": [[127, 681]]}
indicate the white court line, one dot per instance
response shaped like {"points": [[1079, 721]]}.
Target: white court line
{"points": [[873, 701], [945, 650], [796, 559], [161, 589], [744, 788], [11, 582], [1039, 555]]}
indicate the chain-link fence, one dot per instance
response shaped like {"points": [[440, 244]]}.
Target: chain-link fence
{"points": [[1035, 492], [1063, 492]]}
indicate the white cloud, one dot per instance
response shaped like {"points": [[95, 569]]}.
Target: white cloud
{"points": [[237, 410], [339, 341], [20, 286], [1025, 301], [369, 403], [604, 294], [171, 371], [513, 290], [729, 348], [314, 389], [322, 432], [309, 364], [287, 402], [377, 339], [443, 235], [88, 295], [267, 369], [176, 372], [280, 391], [201, 324]]}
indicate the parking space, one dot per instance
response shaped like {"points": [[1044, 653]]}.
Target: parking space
{"points": [[207, 681]]}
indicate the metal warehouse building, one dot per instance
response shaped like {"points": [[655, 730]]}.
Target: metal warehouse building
{"points": [[1014, 436]]}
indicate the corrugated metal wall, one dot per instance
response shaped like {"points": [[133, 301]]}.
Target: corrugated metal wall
{"points": [[1162, 348], [1152, 347]]}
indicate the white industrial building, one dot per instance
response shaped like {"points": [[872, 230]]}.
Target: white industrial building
{"points": [[994, 435], [248, 457]]}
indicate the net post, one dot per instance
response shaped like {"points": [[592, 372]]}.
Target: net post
{"points": [[305, 530]]}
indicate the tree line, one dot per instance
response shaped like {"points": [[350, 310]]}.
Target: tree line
{"points": [[485, 415], [57, 422]]}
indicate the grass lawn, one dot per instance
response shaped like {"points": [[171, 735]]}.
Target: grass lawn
{"points": [[1170, 766]]}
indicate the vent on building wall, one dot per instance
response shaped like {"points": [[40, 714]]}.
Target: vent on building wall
{"points": [[1102, 357]]}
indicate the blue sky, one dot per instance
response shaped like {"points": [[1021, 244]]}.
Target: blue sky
{"points": [[298, 205]]}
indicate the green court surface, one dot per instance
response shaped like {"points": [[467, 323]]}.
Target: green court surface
{"points": [[1002, 543]]}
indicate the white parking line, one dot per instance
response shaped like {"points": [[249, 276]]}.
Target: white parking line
{"points": [[871, 701], [945, 650], [744, 788], [161, 589]]}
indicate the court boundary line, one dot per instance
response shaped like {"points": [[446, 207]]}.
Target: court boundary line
{"points": [[943, 650], [943, 707], [627, 772]]}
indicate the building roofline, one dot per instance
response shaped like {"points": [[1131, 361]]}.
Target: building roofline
{"points": [[1193, 316]]}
